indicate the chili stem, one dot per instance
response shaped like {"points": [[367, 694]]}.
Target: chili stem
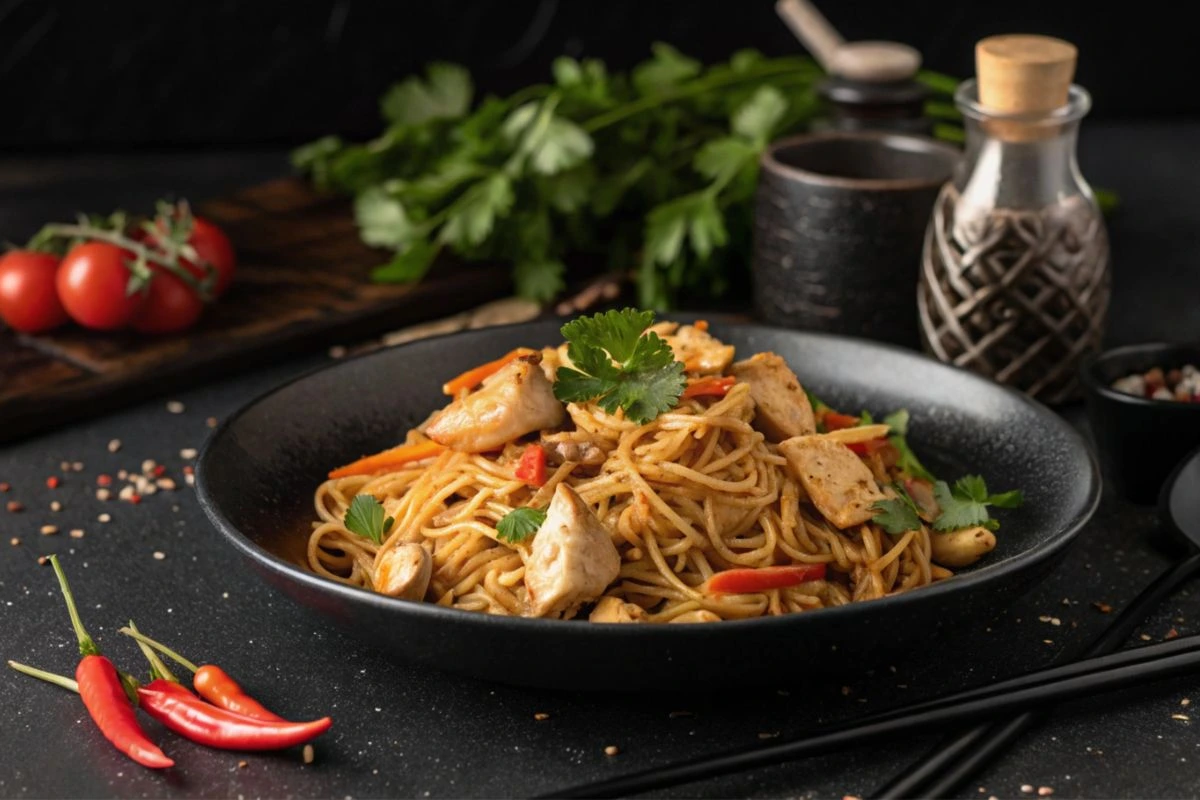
{"points": [[87, 647], [48, 677], [159, 646], [157, 668]]}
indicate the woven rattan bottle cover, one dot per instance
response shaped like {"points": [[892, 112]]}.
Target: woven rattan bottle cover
{"points": [[1015, 271]]}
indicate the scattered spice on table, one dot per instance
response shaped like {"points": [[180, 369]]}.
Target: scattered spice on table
{"points": [[1103, 608], [1181, 717], [76, 533], [5, 487], [103, 495], [49, 530], [175, 407], [1171, 634], [1045, 791], [14, 506], [308, 754], [56, 506], [159, 555], [104, 518], [1180, 385], [211, 422], [612, 750], [1145, 637], [187, 453], [541, 716], [1026, 788], [14, 541], [53, 482], [114, 445], [1185, 702]]}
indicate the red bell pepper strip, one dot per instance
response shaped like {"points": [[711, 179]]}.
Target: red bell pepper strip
{"points": [[532, 466], [748, 580], [709, 387], [921, 492], [194, 718], [105, 694], [835, 421], [869, 446]]}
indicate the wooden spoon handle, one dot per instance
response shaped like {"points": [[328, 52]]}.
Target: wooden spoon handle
{"points": [[812, 29]]}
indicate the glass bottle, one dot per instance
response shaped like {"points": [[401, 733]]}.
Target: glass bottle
{"points": [[1015, 277]]}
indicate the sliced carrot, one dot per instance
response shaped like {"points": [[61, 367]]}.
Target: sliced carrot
{"points": [[709, 387], [388, 459], [473, 377], [747, 580], [835, 421], [700, 325]]}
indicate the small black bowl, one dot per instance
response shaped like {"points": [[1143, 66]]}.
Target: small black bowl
{"points": [[1140, 441]]}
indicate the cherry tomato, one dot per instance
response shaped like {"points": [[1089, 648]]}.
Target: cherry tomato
{"points": [[92, 283], [28, 298], [171, 305], [213, 247]]}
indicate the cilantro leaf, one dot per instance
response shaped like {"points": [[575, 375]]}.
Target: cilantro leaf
{"points": [[445, 94], [569, 191], [667, 68], [720, 160], [695, 216], [477, 211], [865, 418], [898, 515], [757, 117], [382, 220], [966, 504], [645, 381], [365, 518], [408, 266], [520, 523], [316, 158], [907, 461], [550, 142], [539, 280]]}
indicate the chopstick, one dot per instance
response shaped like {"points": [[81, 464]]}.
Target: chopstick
{"points": [[1103, 673], [943, 770]]}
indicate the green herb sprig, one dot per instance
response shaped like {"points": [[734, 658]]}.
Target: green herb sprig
{"points": [[365, 517], [520, 523]]}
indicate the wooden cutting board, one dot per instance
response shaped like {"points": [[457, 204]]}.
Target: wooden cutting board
{"points": [[302, 282]]}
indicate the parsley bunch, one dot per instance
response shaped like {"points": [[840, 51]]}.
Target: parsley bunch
{"points": [[654, 169]]}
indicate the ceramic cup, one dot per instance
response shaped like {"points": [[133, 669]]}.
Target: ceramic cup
{"points": [[840, 217]]}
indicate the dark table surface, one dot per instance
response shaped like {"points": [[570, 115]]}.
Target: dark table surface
{"points": [[409, 732]]}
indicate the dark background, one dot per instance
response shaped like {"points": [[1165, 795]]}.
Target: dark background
{"points": [[221, 73]]}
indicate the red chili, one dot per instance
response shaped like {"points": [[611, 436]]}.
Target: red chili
{"points": [[181, 711], [104, 694], [214, 685], [869, 446], [835, 421], [52, 482], [709, 387], [532, 466]]}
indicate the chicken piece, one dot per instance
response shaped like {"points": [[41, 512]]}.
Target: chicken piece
{"points": [[700, 352], [961, 548], [614, 609], [515, 401], [572, 559], [838, 483], [781, 405], [560, 448], [698, 615], [404, 571]]}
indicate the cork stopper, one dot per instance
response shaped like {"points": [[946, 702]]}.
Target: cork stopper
{"points": [[1021, 74]]}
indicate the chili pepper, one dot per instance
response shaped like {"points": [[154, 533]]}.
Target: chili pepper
{"points": [[835, 421], [106, 695], [713, 386], [190, 716], [532, 466], [210, 681], [473, 377]]}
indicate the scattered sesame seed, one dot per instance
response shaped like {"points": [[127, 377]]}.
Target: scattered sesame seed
{"points": [[187, 453], [77, 533], [122, 475], [126, 492], [165, 483], [677, 714], [104, 518], [189, 479], [65, 466], [1055, 621], [1044, 618], [1103, 608], [1045, 791], [114, 445], [211, 422], [14, 506], [49, 530], [14, 541], [309, 754], [541, 716], [77, 466], [846, 691], [243, 764], [337, 351], [175, 407], [52, 482], [768, 734], [1026, 788], [4, 487], [57, 506], [1181, 717], [103, 494], [612, 750], [1047, 641], [1145, 637], [148, 466], [43, 560], [159, 555], [1185, 702]]}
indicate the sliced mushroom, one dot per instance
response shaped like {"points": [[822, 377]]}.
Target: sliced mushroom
{"points": [[698, 615], [963, 547], [560, 448], [614, 609], [404, 572]]}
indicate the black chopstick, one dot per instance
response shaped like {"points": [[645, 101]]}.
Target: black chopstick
{"points": [[952, 763], [1153, 662]]}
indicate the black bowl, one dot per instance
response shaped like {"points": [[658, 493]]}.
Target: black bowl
{"points": [[256, 476], [1140, 440]]}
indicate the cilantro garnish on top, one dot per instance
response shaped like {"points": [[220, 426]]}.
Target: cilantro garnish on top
{"points": [[619, 364]]}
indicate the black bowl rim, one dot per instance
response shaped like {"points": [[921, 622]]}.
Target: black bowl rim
{"points": [[926, 144], [927, 594], [1168, 489], [1094, 384]]}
